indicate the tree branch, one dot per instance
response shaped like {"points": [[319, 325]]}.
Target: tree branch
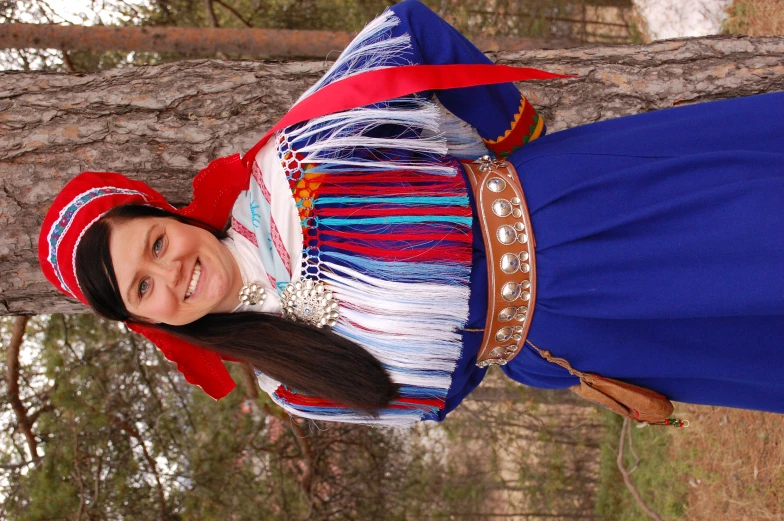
{"points": [[128, 428], [67, 61], [12, 379], [305, 477], [211, 13], [233, 11], [627, 477]]}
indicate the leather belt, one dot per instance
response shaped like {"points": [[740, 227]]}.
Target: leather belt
{"points": [[511, 262]]}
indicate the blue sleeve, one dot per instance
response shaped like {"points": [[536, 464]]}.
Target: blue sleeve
{"points": [[501, 115]]}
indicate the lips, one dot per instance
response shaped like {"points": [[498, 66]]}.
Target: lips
{"points": [[194, 283]]}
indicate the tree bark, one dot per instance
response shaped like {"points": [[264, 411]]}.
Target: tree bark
{"points": [[162, 124], [208, 41]]}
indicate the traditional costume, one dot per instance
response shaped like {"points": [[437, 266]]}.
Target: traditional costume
{"points": [[659, 238]]}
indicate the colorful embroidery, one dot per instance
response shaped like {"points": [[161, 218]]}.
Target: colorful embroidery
{"points": [[277, 242], [66, 217], [245, 232], [526, 126]]}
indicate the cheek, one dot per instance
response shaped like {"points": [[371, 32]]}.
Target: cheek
{"points": [[161, 306]]}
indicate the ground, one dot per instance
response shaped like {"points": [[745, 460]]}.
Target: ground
{"points": [[728, 465]]}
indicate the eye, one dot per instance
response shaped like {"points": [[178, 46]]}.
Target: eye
{"points": [[157, 246], [144, 286]]}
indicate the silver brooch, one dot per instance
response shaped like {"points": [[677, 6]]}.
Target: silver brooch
{"points": [[488, 163], [252, 293], [310, 302]]}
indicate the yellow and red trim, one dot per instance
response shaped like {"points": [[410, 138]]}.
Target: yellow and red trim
{"points": [[526, 126]]}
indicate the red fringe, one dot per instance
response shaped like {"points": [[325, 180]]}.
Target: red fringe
{"points": [[461, 237], [425, 254], [312, 401]]}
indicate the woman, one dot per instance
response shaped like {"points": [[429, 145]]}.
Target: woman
{"points": [[658, 247]]}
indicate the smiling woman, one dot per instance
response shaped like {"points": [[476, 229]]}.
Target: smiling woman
{"points": [[171, 272]]}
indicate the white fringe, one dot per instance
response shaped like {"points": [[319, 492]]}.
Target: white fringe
{"points": [[462, 139], [340, 135], [370, 50]]}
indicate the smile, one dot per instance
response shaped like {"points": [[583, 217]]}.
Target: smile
{"points": [[194, 280]]}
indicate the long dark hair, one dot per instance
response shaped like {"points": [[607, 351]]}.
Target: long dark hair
{"points": [[311, 360]]}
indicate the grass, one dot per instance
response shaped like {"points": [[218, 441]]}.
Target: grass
{"points": [[755, 18], [661, 479]]}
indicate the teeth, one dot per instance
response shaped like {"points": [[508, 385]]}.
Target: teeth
{"points": [[194, 280]]}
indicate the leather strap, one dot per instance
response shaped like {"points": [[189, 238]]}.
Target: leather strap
{"points": [[511, 261]]}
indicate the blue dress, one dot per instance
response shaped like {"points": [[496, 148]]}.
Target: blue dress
{"points": [[660, 252], [660, 241]]}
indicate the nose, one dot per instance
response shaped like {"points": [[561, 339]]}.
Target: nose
{"points": [[170, 272]]}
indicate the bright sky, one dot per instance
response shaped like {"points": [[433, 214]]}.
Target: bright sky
{"points": [[678, 18], [84, 12]]}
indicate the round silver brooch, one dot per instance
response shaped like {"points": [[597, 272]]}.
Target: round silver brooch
{"points": [[310, 302], [252, 294]]}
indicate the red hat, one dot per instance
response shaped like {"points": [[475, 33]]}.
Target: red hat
{"points": [[90, 195]]}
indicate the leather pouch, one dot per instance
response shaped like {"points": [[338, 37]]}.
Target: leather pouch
{"points": [[632, 401]]}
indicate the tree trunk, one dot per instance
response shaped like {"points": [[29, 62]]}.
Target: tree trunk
{"points": [[208, 41], [162, 124]]}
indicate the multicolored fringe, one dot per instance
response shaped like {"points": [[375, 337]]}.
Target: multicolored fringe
{"points": [[395, 249], [387, 225]]}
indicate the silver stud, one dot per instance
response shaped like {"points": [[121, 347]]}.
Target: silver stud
{"points": [[502, 208], [525, 296], [519, 227], [525, 267], [523, 256], [496, 184], [509, 263], [522, 238], [515, 200], [526, 284], [507, 314], [252, 294], [503, 334], [517, 337], [511, 349], [517, 213], [506, 234], [511, 291], [497, 352]]}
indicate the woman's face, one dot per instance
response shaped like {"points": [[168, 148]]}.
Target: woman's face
{"points": [[172, 272]]}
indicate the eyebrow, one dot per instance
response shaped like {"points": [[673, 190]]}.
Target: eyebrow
{"points": [[134, 283]]}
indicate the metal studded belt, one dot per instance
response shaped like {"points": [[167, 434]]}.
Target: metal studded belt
{"points": [[511, 266]]}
